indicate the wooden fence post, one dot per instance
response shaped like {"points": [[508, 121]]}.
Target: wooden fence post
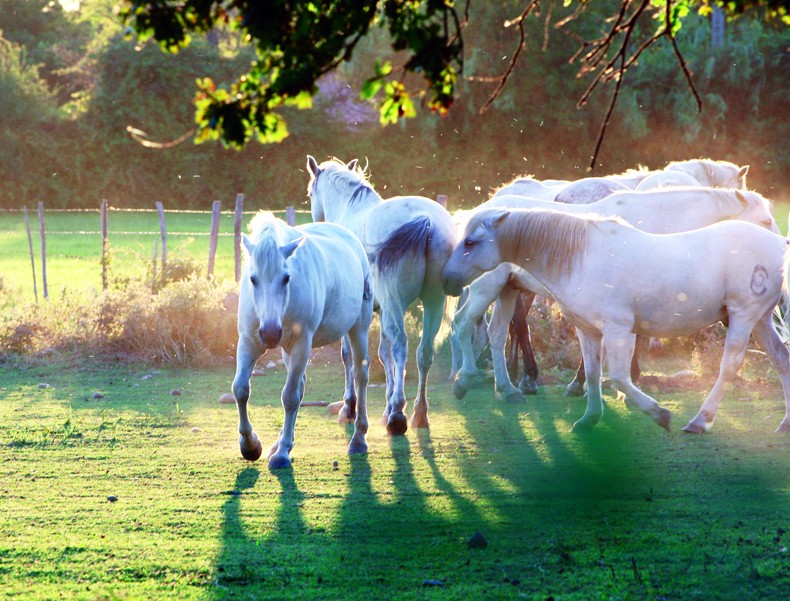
{"points": [[105, 244], [290, 216], [43, 249], [32, 256], [153, 266], [237, 234], [160, 207], [216, 207]]}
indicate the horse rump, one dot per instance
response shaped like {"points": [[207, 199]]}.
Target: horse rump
{"points": [[411, 238]]}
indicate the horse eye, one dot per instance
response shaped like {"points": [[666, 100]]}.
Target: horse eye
{"points": [[469, 243], [253, 280]]}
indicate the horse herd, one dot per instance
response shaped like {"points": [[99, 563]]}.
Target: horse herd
{"points": [[650, 253]]}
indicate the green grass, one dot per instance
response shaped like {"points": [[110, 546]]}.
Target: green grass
{"points": [[624, 512], [74, 247]]}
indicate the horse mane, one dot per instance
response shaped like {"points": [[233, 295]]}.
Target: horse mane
{"points": [[553, 239], [263, 224], [341, 178], [638, 170], [267, 233]]}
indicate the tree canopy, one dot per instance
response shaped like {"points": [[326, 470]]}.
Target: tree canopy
{"points": [[74, 89], [297, 43]]}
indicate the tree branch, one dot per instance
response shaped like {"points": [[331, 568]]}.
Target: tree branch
{"points": [[503, 79]]}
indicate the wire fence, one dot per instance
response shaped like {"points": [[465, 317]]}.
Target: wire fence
{"points": [[65, 248]]}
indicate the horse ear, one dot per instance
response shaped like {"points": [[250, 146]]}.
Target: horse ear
{"points": [[247, 243], [743, 171], [741, 197], [289, 248], [312, 166], [495, 219], [352, 165]]}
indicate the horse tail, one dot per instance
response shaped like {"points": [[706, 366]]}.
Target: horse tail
{"points": [[412, 238]]}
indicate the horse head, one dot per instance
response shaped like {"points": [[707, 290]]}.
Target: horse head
{"points": [[334, 185], [269, 279], [476, 253]]}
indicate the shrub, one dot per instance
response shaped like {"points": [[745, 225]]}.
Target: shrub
{"points": [[185, 323]]}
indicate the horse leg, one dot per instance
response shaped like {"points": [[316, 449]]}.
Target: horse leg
{"points": [[247, 354], [386, 358], [576, 387], [358, 346], [482, 292], [464, 324], [636, 371], [620, 352], [345, 408], [497, 334], [735, 344], [766, 336], [591, 354], [293, 392], [432, 312], [456, 352], [394, 330], [529, 383]]}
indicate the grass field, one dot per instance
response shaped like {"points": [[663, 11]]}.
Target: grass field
{"points": [[73, 243], [624, 512]]}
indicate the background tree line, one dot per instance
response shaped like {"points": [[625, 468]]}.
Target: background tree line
{"points": [[72, 82]]}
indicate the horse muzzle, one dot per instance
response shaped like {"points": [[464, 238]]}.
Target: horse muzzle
{"points": [[452, 285], [271, 333]]}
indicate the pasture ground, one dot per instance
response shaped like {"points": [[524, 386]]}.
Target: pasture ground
{"points": [[624, 512]]}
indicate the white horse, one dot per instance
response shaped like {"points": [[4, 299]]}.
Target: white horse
{"points": [[708, 172], [613, 282], [589, 189], [301, 288], [661, 211], [409, 239], [526, 185], [667, 178], [693, 172]]}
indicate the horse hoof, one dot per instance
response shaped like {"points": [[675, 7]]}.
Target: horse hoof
{"points": [[574, 389], [585, 424], [528, 386], [345, 416], [397, 424], [459, 391], [784, 426], [251, 451], [278, 462], [357, 448], [663, 419], [515, 397], [334, 408], [419, 421], [694, 428]]}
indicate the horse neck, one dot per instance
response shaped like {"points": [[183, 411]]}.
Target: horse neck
{"points": [[353, 206], [544, 243]]}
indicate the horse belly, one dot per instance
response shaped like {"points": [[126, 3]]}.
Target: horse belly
{"points": [[668, 322]]}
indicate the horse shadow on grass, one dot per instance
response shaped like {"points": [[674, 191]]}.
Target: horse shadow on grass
{"points": [[609, 502], [251, 557]]}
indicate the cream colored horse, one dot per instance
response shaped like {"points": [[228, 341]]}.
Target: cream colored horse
{"points": [[613, 282]]}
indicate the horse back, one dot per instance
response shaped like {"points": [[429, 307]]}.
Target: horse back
{"points": [[334, 283]]}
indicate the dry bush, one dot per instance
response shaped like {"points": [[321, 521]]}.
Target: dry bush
{"points": [[184, 323]]}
